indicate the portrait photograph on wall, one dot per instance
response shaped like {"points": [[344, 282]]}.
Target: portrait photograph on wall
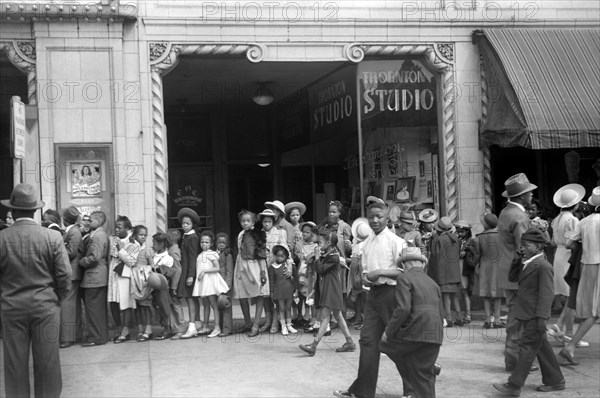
{"points": [[405, 189]]}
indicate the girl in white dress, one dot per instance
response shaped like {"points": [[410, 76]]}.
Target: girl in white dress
{"points": [[209, 282]]}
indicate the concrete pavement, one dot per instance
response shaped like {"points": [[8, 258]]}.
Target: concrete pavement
{"points": [[273, 366]]}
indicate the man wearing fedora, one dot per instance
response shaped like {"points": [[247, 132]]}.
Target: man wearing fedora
{"points": [[513, 221], [70, 311], [35, 276], [413, 336], [531, 310]]}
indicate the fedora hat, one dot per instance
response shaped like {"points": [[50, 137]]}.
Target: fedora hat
{"points": [[267, 213], [408, 217], [444, 224], [428, 215], [295, 205], [361, 229], [594, 200], [411, 254], [71, 215], [489, 220], [534, 235], [569, 195], [462, 224], [224, 301], [157, 281], [517, 185], [279, 247], [187, 212], [275, 204], [23, 197]]}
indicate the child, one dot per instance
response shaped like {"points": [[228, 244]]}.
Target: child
{"points": [[226, 271], [306, 251], [361, 231], [328, 292], [274, 237], [427, 218], [209, 283], [164, 264], [407, 230], [190, 248], [250, 271], [467, 269], [282, 288], [444, 268], [141, 291], [177, 320]]}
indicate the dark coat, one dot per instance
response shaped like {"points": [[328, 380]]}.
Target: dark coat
{"points": [[512, 223], [73, 240], [444, 267], [328, 286], [190, 249], [536, 289], [176, 277], [35, 273], [94, 262], [418, 314]]}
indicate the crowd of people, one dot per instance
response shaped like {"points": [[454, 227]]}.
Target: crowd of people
{"points": [[404, 280]]}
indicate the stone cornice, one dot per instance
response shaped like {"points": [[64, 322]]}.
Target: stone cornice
{"points": [[116, 11]]}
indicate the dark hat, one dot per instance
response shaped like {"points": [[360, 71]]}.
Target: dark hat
{"points": [[517, 185], [224, 301], [489, 220], [187, 212], [278, 247], [534, 235], [71, 215], [23, 197], [157, 281], [444, 224]]}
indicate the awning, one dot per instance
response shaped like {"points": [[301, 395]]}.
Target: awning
{"points": [[543, 87]]}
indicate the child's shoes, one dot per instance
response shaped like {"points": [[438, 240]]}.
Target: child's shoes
{"points": [[274, 327], [310, 349], [291, 329], [214, 333], [191, 332], [284, 329]]}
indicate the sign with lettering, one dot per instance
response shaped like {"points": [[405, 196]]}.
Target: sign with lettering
{"points": [[396, 93], [18, 128], [332, 104]]}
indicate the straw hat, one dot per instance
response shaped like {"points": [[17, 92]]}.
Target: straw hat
{"points": [[157, 281], [224, 301], [489, 220], [187, 212], [267, 213], [408, 217], [594, 200], [361, 228], [275, 204], [295, 205], [411, 254], [428, 215], [517, 185], [569, 195], [23, 197]]}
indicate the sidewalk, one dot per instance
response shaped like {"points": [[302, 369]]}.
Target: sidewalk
{"points": [[273, 366]]}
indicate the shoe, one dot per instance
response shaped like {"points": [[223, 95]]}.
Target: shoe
{"points": [[556, 387], [177, 336], [347, 347], [203, 331], [284, 329], [190, 333], [498, 325], [459, 322], [558, 335], [568, 357], [253, 332], [437, 369], [145, 337], [310, 349], [582, 344], [343, 394], [224, 334], [327, 332], [214, 333], [466, 320], [65, 345], [163, 336], [291, 329], [91, 344], [487, 325], [275, 328], [121, 339], [508, 389]]}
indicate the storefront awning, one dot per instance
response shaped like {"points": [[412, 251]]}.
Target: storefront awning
{"points": [[543, 87]]}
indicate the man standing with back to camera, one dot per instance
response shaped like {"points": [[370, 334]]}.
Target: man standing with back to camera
{"points": [[35, 276]]}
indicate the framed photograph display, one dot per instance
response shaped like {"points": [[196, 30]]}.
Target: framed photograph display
{"points": [[389, 191], [405, 189]]}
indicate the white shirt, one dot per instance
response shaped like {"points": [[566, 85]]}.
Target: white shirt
{"points": [[588, 231], [69, 227], [381, 251], [163, 259], [530, 260]]}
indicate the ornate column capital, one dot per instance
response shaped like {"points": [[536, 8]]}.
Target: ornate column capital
{"points": [[21, 53]]}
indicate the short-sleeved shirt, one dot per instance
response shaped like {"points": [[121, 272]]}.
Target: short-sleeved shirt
{"points": [[588, 231], [381, 251]]}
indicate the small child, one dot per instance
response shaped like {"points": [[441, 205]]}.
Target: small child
{"points": [[361, 231], [328, 292], [141, 291], [306, 251], [177, 320], [226, 271], [209, 283], [282, 288], [467, 268], [164, 264]]}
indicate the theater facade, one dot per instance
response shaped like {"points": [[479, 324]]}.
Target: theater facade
{"points": [[144, 107]]}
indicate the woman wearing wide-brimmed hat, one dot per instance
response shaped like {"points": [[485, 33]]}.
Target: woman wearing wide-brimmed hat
{"points": [[427, 218]]}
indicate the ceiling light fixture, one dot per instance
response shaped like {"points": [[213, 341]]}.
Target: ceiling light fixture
{"points": [[264, 164], [263, 96]]}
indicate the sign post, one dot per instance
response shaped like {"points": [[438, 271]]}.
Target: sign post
{"points": [[17, 128]]}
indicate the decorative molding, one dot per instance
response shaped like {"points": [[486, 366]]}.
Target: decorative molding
{"points": [[354, 52], [27, 12], [22, 54], [485, 148]]}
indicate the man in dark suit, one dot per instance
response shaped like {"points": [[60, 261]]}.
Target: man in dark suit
{"points": [[70, 310], [94, 281], [531, 310], [414, 335], [513, 221], [35, 276]]}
